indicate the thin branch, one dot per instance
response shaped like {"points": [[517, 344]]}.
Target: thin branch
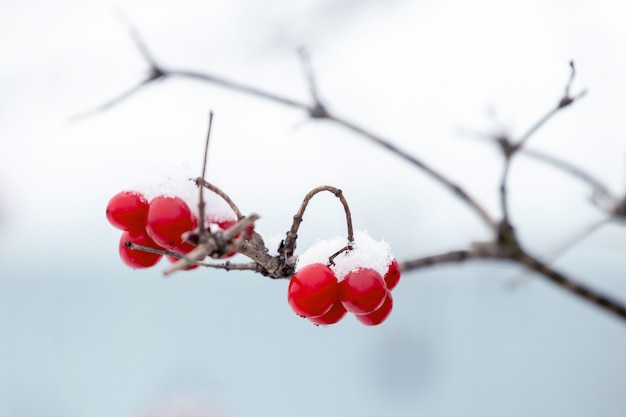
{"points": [[288, 246], [140, 43], [504, 206], [598, 187], [565, 101], [239, 87], [203, 176], [213, 244], [111, 103], [281, 266], [517, 281], [494, 252], [452, 257], [202, 182], [315, 111], [228, 265], [571, 169], [587, 293], [450, 185], [231, 266]]}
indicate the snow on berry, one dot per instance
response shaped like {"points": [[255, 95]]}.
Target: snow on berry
{"points": [[177, 180], [365, 253]]}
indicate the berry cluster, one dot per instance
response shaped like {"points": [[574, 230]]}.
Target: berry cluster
{"points": [[324, 294], [158, 224]]}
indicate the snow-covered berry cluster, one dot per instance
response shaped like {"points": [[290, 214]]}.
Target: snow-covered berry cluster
{"points": [[358, 280], [159, 224]]}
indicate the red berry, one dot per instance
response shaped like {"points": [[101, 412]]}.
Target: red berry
{"points": [[378, 316], [336, 313], [312, 290], [168, 219], [128, 210], [392, 277], [362, 291], [136, 258]]}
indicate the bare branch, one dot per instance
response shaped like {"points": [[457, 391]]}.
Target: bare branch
{"points": [[202, 182], [522, 278], [453, 257], [288, 246], [495, 252], [450, 185], [111, 103], [317, 111], [241, 88], [565, 101], [586, 293], [573, 170], [213, 244], [203, 175], [503, 190]]}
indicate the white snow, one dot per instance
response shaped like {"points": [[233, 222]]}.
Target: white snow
{"points": [[177, 180], [365, 253]]}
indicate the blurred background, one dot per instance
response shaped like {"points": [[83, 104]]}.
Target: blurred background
{"points": [[83, 335]]}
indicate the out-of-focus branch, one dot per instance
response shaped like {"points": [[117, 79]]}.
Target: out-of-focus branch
{"points": [[315, 111], [566, 100], [598, 187], [517, 255], [288, 246]]}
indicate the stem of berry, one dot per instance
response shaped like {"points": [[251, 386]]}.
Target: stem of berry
{"points": [[331, 258], [204, 163], [289, 244], [201, 182]]}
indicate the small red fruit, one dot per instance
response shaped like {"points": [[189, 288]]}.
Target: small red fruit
{"points": [[336, 313], [392, 277], [168, 219], [136, 258], [128, 210], [378, 316], [362, 291], [313, 290]]}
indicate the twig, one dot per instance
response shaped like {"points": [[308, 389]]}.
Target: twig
{"points": [[504, 206], [565, 101], [202, 182], [571, 169], [315, 111], [595, 297], [203, 176], [213, 244], [288, 246], [515, 282], [457, 256], [507, 148], [494, 252], [281, 266], [450, 185]]}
